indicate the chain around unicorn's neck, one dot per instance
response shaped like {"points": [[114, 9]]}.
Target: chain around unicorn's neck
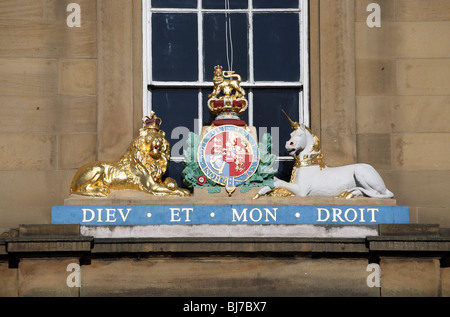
{"points": [[314, 157]]}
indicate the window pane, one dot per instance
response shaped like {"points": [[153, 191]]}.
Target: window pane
{"points": [[175, 47], [174, 171], [174, 3], [215, 44], [177, 108], [275, 3], [276, 47], [220, 4], [267, 114]]}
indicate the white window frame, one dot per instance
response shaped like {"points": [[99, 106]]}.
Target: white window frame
{"points": [[207, 85]]}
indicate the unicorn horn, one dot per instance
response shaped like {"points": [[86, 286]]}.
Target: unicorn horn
{"points": [[295, 125]]}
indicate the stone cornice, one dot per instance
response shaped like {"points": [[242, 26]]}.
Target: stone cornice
{"points": [[62, 240]]}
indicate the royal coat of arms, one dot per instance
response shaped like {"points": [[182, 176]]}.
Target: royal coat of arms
{"points": [[228, 155]]}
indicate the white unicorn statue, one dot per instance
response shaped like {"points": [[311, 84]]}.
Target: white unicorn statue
{"points": [[311, 177]]}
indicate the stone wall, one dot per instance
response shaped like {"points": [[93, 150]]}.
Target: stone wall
{"points": [[403, 102], [56, 260], [48, 104], [72, 95], [67, 97]]}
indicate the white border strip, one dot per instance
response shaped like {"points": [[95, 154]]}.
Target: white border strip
{"points": [[237, 231]]}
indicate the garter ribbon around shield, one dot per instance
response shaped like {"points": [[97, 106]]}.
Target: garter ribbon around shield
{"points": [[228, 155]]}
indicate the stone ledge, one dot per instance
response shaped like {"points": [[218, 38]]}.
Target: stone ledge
{"points": [[202, 197], [409, 244], [394, 230], [229, 231], [395, 239], [72, 231], [230, 245], [42, 244], [399, 246], [49, 230]]}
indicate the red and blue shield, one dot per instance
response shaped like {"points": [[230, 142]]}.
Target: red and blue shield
{"points": [[228, 155]]}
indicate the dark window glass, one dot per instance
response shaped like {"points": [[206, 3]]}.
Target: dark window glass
{"points": [[177, 108], [220, 4], [214, 36], [267, 114], [174, 171], [174, 3], [276, 47], [275, 4], [175, 47]]}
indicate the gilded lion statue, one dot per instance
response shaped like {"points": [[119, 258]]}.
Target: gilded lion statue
{"points": [[141, 168], [226, 85]]}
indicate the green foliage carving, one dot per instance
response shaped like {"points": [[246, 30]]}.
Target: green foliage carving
{"points": [[191, 169], [265, 172]]}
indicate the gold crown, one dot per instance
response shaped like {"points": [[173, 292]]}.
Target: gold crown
{"points": [[225, 82], [220, 105], [152, 121]]}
